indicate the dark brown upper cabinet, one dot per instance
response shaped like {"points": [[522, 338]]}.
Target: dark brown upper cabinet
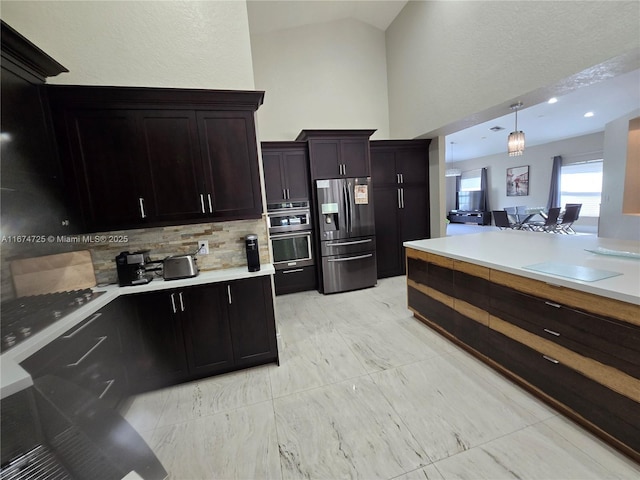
{"points": [[338, 153], [143, 157], [286, 171], [32, 192], [400, 176]]}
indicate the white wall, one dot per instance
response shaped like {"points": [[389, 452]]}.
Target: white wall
{"points": [[448, 60], [139, 43], [613, 223], [540, 161], [325, 76]]}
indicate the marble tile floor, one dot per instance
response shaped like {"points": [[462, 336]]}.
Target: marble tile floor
{"points": [[365, 391]]}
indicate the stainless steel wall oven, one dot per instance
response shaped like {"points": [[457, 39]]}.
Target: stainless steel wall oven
{"points": [[290, 233]]}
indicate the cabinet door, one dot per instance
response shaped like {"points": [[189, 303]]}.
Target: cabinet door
{"points": [[172, 156], [106, 169], [252, 321], [32, 200], [388, 244], [413, 165], [414, 214], [206, 329], [296, 172], [228, 145], [383, 168], [325, 158], [273, 177], [159, 358], [354, 154]]}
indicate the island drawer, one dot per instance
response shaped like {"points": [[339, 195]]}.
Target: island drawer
{"points": [[612, 412], [608, 341], [432, 275]]}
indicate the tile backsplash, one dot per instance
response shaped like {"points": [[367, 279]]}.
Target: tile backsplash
{"points": [[226, 247]]}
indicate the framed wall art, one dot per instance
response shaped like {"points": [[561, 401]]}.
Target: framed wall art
{"points": [[518, 181]]}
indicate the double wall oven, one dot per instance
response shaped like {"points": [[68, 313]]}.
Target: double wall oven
{"points": [[291, 233]]}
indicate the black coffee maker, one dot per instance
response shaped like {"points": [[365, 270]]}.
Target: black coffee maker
{"points": [[253, 253], [131, 270]]}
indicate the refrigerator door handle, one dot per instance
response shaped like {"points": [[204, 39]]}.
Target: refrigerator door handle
{"points": [[350, 201], [348, 259], [345, 202]]}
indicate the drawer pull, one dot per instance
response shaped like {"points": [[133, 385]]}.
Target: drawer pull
{"points": [[552, 360], [75, 364], [293, 271], [94, 318], [109, 383], [554, 305], [552, 332], [181, 302]]}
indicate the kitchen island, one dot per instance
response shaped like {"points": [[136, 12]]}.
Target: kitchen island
{"points": [[545, 311]]}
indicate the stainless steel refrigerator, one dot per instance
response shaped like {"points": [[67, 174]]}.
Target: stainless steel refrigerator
{"points": [[347, 233]]}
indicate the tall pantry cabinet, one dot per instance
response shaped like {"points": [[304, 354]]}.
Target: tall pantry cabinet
{"points": [[400, 176]]}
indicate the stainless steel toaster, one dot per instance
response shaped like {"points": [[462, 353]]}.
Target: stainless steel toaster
{"points": [[179, 266]]}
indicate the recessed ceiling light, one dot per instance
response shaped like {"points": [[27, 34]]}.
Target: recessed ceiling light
{"points": [[588, 114], [497, 128], [552, 100]]}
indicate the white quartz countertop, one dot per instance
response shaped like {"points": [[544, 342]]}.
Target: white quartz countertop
{"points": [[512, 250], [14, 378]]}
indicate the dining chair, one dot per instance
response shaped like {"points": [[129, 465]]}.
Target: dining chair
{"points": [[550, 225], [512, 213], [571, 213], [501, 219]]}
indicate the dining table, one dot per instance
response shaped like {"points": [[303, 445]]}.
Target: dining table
{"points": [[530, 212]]}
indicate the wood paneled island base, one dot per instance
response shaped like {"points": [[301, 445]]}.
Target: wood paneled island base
{"points": [[577, 351]]}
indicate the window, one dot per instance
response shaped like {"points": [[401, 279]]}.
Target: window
{"points": [[582, 183], [470, 180]]}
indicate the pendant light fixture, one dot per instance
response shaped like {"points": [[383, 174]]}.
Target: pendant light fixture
{"points": [[515, 143], [452, 172]]}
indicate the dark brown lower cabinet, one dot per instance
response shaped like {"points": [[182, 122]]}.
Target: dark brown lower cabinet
{"points": [[577, 351], [207, 336], [90, 355], [194, 332], [295, 279], [252, 321], [155, 342]]}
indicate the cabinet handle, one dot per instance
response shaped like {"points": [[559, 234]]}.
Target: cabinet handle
{"points": [[210, 204], [293, 271], [93, 319], [141, 201], [229, 294], [552, 360], [284, 193], [402, 196], [554, 305], [397, 178], [181, 302], [75, 364], [552, 332], [402, 178], [399, 204], [109, 383], [202, 203], [288, 195], [173, 303]]}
